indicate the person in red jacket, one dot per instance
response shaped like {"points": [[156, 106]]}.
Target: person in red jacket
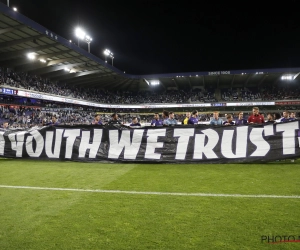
{"points": [[256, 117]]}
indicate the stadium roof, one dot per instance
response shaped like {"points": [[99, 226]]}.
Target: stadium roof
{"points": [[67, 63]]}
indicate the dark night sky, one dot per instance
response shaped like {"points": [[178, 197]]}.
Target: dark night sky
{"points": [[151, 36]]}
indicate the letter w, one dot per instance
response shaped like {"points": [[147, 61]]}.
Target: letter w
{"points": [[131, 146]]}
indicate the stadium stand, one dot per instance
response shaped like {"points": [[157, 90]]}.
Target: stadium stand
{"points": [[90, 79], [9, 78]]}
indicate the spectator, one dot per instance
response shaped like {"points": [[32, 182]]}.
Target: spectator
{"points": [[194, 119], [54, 121], [292, 116], [270, 118], [5, 125], [216, 120], [285, 116], [165, 116], [187, 117], [229, 120], [156, 121], [256, 117], [115, 119], [171, 120], [277, 117], [97, 120], [135, 122], [241, 120]]}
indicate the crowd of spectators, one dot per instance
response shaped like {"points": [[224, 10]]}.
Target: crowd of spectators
{"points": [[22, 117], [273, 93], [36, 83], [230, 94], [266, 93], [241, 94], [204, 95], [26, 117]]}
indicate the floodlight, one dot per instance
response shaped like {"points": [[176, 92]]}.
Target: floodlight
{"points": [[107, 52], [31, 56], [15, 9], [79, 33], [295, 76], [88, 39], [43, 60], [154, 82], [147, 81], [287, 77]]}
